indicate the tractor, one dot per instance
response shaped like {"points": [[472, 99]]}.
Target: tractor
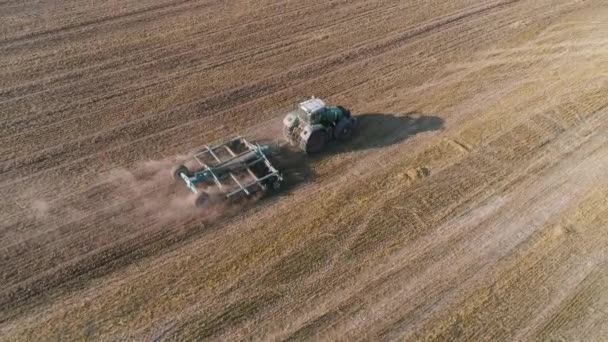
{"points": [[313, 124]]}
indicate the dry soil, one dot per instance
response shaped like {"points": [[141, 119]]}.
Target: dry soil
{"points": [[471, 205]]}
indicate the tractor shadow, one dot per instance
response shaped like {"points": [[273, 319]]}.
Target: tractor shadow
{"points": [[375, 130], [378, 130], [294, 166]]}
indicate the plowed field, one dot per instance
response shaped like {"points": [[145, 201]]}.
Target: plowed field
{"points": [[471, 205]]}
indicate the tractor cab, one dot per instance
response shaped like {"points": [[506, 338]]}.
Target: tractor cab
{"points": [[311, 111]]}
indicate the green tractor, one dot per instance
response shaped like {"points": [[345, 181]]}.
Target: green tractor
{"points": [[313, 124]]}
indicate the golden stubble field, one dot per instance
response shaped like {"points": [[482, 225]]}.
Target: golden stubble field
{"points": [[472, 204]]}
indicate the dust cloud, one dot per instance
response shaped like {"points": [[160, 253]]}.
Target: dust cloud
{"points": [[40, 208], [145, 194]]}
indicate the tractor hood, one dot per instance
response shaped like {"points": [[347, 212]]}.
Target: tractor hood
{"points": [[291, 120]]}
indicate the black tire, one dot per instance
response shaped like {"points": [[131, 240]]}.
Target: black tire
{"points": [[179, 170], [315, 142], [344, 129], [345, 111], [236, 146], [274, 184], [203, 200]]}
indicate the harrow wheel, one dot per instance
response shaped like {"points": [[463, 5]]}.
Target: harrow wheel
{"points": [[203, 200], [274, 184], [179, 170]]}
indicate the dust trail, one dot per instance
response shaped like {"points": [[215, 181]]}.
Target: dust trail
{"points": [[40, 208], [141, 198], [152, 191], [143, 195]]}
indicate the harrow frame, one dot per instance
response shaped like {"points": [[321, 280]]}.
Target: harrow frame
{"points": [[243, 158]]}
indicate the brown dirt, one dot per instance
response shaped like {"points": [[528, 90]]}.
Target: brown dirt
{"points": [[472, 204]]}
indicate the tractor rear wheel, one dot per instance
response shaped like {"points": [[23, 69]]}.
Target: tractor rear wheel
{"points": [[179, 170], [344, 129], [315, 142]]}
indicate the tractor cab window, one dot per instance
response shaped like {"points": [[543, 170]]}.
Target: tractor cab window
{"points": [[303, 115], [315, 117]]}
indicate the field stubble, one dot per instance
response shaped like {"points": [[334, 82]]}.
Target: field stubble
{"points": [[471, 205]]}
